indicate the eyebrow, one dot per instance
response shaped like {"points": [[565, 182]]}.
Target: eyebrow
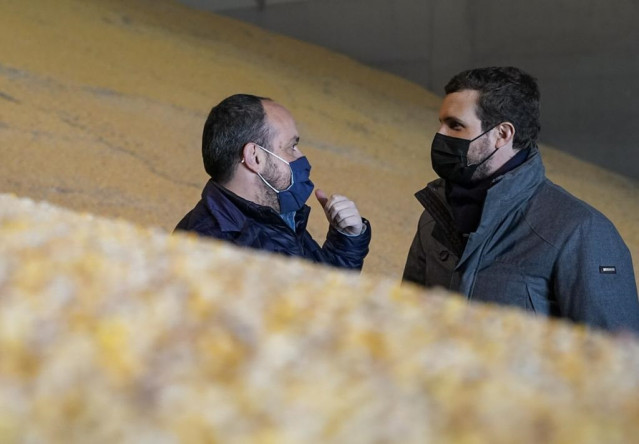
{"points": [[448, 120], [295, 139]]}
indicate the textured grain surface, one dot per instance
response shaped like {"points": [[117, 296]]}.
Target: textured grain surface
{"points": [[114, 333], [102, 105]]}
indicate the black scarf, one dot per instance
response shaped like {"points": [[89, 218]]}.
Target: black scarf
{"points": [[467, 203]]}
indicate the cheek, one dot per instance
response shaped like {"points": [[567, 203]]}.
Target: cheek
{"points": [[478, 150], [270, 172], [280, 175]]}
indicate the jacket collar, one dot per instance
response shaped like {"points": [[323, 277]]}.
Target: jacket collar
{"points": [[232, 211], [506, 193], [518, 184], [505, 187]]}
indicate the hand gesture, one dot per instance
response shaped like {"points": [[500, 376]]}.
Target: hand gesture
{"points": [[341, 213]]}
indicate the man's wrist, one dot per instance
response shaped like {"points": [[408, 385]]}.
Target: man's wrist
{"points": [[363, 230]]}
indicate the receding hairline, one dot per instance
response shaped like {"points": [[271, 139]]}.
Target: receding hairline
{"points": [[269, 117]]}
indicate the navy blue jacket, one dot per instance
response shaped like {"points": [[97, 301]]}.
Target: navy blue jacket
{"points": [[224, 215], [537, 247]]}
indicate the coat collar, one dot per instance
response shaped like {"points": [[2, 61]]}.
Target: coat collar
{"points": [[506, 193], [232, 212], [507, 186], [509, 193]]}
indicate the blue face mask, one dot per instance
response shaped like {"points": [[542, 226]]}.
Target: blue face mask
{"points": [[295, 196]]}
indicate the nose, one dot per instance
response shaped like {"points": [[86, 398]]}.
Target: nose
{"points": [[297, 153], [443, 129]]}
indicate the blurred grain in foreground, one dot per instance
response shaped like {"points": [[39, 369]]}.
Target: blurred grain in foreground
{"points": [[110, 332]]}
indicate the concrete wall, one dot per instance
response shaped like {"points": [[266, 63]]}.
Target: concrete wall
{"points": [[585, 54]]}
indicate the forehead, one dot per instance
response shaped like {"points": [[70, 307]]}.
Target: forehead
{"points": [[460, 105], [280, 121]]}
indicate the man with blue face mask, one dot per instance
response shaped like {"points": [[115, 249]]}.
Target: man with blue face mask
{"points": [[260, 182], [495, 229]]}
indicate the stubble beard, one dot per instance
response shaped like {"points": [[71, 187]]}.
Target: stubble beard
{"points": [[483, 170], [272, 176]]}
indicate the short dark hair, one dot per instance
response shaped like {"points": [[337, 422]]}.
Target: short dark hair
{"points": [[506, 94], [234, 122]]}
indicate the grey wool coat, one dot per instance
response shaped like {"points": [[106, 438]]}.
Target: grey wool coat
{"points": [[536, 247]]}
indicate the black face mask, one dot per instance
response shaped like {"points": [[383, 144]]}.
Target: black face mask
{"points": [[449, 156]]}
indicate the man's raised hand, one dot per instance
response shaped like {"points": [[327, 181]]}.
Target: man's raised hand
{"points": [[341, 213]]}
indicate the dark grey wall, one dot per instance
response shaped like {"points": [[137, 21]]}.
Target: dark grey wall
{"points": [[585, 54]]}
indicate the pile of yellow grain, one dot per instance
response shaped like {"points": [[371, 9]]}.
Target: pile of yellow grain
{"points": [[114, 333], [102, 104]]}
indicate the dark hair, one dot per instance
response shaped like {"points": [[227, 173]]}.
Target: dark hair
{"points": [[234, 122], [506, 94]]}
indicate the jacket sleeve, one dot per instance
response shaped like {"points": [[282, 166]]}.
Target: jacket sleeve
{"points": [[345, 251], [594, 281]]}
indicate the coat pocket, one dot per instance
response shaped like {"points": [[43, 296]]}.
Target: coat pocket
{"points": [[501, 284], [506, 284]]}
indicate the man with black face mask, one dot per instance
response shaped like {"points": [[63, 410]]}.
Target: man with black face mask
{"points": [[260, 182], [497, 230]]}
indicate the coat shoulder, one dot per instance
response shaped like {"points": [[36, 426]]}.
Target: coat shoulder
{"points": [[554, 214]]}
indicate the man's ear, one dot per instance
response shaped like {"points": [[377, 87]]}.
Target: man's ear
{"points": [[252, 157], [505, 134]]}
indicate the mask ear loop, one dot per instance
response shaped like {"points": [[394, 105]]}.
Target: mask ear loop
{"points": [[491, 154], [272, 153], [289, 167]]}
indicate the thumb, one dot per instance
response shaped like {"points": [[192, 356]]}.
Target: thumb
{"points": [[321, 197]]}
